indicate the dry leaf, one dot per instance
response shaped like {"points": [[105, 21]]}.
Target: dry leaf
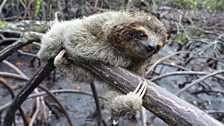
{"points": [[77, 87], [19, 63], [3, 80]]}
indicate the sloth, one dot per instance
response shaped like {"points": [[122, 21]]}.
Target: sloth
{"points": [[116, 38]]}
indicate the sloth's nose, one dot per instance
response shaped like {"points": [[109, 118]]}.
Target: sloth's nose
{"points": [[152, 44]]}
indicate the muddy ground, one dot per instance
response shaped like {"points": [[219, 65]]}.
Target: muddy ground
{"points": [[197, 33]]}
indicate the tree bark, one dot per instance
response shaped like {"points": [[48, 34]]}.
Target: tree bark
{"points": [[165, 105]]}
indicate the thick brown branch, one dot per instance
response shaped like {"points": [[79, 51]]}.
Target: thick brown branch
{"points": [[162, 103], [37, 78]]}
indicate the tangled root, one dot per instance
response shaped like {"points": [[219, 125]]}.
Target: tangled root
{"points": [[126, 105]]}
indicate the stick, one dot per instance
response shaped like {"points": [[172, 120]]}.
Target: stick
{"points": [[37, 78], [165, 105], [97, 102]]}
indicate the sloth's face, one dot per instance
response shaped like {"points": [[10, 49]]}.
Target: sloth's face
{"points": [[141, 42], [139, 38]]}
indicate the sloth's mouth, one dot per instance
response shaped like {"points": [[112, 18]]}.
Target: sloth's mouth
{"points": [[154, 50], [150, 46], [150, 50]]}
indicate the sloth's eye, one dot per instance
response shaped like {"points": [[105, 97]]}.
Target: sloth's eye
{"points": [[141, 35], [137, 34]]}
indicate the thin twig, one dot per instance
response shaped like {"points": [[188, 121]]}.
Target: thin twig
{"points": [[97, 102], [37, 109], [10, 34], [37, 78], [166, 57], [143, 116], [55, 92], [214, 111], [15, 68], [2, 5], [13, 95], [12, 75], [26, 39], [5, 106], [198, 80], [27, 54], [59, 103], [177, 66], [45, 112], [183, 73], [96, 3], [7, 41]]}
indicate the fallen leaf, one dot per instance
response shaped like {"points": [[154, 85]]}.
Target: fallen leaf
{"points": [[19, 63], [77, 87], [3, 80]]}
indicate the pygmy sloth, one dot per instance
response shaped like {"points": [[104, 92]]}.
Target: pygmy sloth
{"points": [[124, 39]]}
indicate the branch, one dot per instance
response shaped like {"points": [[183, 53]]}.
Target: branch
{"points": [[199, 80], [26, 39], [59, 104], [162, 103], [37, 78]]}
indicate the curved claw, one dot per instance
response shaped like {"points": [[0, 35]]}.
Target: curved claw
{"points": [[61, 53], [59, 59], [141, 89], [144, 88], [137, 88]]}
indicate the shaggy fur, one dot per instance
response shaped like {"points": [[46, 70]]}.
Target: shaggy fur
{"points": [[123, 105], [113, 38]]}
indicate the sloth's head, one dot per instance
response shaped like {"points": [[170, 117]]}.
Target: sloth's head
{"points": [[139, 37]]}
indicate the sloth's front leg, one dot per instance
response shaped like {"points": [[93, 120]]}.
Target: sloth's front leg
{"points": [[72, 71], [77, 73]]}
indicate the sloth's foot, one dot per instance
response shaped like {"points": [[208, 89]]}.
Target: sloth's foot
{"points": [[128, 105]]}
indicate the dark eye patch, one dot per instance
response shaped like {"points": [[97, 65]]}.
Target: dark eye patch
{"points": [[137, 35], [142, 35]]}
